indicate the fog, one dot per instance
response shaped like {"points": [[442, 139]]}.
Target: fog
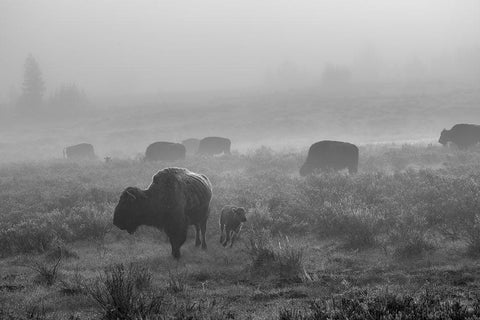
{"points": [[366, 71], [112, 47]]}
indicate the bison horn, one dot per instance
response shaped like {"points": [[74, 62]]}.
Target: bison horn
{"points": [[131, 195]]}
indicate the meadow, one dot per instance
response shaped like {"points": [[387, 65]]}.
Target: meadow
{"points": [[400, 239]]}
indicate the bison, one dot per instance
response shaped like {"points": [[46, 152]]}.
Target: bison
{"points": [[231, 220], [213, 146], [336, 155], [82, 151], [175, 199], [165, 151], [191, 145], [462, 135]]}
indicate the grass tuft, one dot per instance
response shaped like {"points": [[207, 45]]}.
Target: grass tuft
{"points": [[121, 293], [47, 273]]}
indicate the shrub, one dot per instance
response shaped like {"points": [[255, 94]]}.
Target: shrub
{"points": [[27, 236], [121, 293], [72, 286], [46, 274], [362, 305], [284, 261]]}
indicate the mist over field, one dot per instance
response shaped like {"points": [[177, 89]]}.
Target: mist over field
{"points": [[273, 73], [319, 184]]}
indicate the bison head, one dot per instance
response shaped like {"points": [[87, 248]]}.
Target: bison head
{"points": [[240, 214], [444, 137], [128, 212]]}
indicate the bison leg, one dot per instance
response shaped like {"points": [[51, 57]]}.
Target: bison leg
{"points": [[177, 239], [203, 228], [228, 233], [222, 228], [234, 236], [197, 235]]}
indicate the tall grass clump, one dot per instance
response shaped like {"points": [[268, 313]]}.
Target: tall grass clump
{"points": [[47, 273], [177, 282], [123, 293], [267, 258]]}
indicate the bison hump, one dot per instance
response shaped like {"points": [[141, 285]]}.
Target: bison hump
{"points": [[196, 189]]}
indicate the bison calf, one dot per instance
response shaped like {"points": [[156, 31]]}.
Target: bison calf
{"points": [[231, 220]]}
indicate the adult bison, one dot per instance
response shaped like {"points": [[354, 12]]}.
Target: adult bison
{"points": [[214, 145], [462, 135], [336, 155], [191, 145], [165, 151], [175, 199], [82, 151]]}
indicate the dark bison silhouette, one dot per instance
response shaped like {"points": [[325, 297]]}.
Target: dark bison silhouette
{"points": [[231, 219], [82, 151], [165, 151], [175, 199], [462, 135], [214, 145], [336, 155], [191, 145]]}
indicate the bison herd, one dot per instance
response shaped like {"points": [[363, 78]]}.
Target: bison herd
{"points": [[322, 155], [178, 198]]}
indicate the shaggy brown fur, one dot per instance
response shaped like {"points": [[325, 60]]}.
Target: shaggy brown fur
{"points": [[175, 199], [462, 135], [214, 145], [328, 155]]}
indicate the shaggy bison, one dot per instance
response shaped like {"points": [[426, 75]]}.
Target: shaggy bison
{"points": [[462, 135], [325, 155], [165, 151], [191, 145], [231, 220], [214, 145], [175, 199], [82, 151]]}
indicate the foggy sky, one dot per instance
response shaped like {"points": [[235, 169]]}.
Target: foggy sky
{"points": [[110, 47]]}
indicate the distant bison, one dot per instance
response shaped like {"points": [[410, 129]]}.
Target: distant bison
{"points": [[214, 145], [82, 151], [336, 155], [462, 135], [175, 199], [231, 220], [165, 151], [191, 145]]}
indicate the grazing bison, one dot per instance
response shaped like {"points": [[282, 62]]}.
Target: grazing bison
{"points": [[82, 151], [175, 199], [325, 155], [191, 145], [231, 220], [165, 151], [214, 145], [462, 135]]}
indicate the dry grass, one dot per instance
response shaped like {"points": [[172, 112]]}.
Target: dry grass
{"points": [[305, 238]]}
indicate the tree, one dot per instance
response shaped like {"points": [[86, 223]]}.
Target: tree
{"points": [[33, 86], [68, 97]]}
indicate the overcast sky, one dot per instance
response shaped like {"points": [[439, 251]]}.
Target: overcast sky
{"points": [[146, 46]]}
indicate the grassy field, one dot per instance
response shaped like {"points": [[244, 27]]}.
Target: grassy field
{"points": [[402, 237]]}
